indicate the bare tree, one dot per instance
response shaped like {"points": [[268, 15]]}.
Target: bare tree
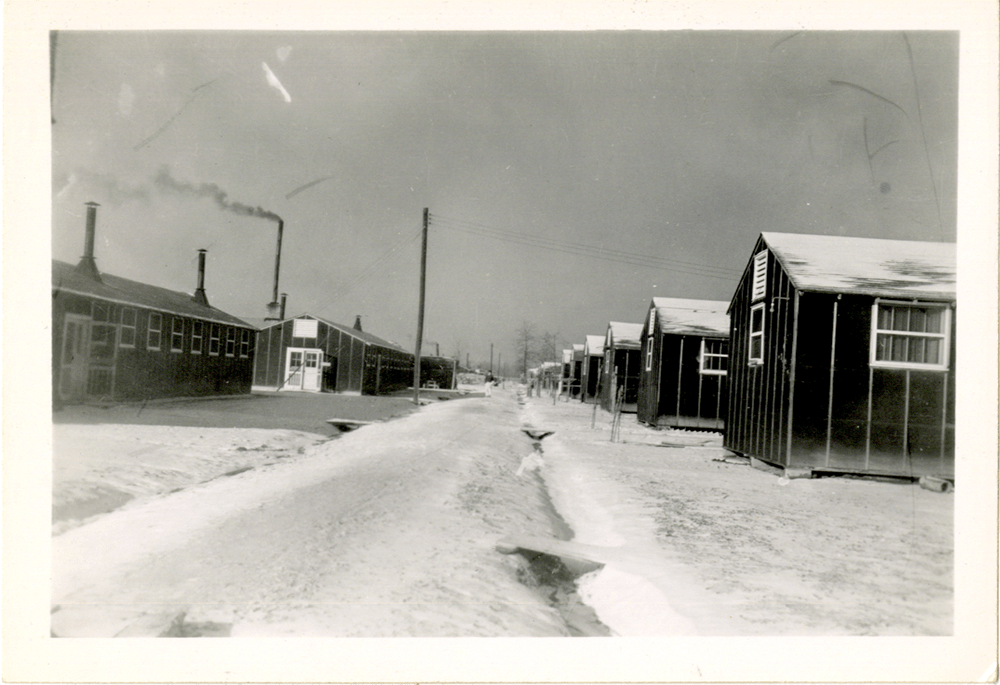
{"points": [[525, 339], [548, 342]]}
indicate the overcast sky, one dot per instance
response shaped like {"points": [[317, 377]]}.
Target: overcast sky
{"points": [[570, 177]]}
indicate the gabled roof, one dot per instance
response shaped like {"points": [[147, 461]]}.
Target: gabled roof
{"points": [[692, 317], [626, 335], [866, 266], [594, 346], [65, 278], [348, 330]]}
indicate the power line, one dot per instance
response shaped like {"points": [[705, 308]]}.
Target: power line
{"points": [[603, 250], [369, 270], [579, 249]]}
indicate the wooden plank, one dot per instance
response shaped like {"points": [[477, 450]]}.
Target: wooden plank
{"points": [[348, 424], [578, 557]]}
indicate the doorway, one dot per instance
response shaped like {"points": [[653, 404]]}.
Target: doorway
{"points": [[74, 358], [303, 369]]}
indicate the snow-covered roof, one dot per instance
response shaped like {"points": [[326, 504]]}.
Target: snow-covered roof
{"points": [[626, 335], [594, 346], [695, 317], [866, 266]]}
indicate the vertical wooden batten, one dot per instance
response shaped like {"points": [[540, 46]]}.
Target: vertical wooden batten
{"points": [[833, 361], [791, 377]]}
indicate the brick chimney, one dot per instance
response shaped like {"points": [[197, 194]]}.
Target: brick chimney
{"points": [[357, 323], [87, 266]]}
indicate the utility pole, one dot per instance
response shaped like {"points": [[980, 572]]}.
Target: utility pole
{"points": [[491, 358], [420, 311]]}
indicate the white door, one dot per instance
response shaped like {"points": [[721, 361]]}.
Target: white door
{"points": [[303, 369], [74, 358]]}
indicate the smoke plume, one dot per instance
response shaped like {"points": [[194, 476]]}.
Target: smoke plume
{"points": [[164, 181]]}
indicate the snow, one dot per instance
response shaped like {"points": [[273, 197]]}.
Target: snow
{"points": [[625, 335], [390, 531], [701, 317], [594, 346], [693, 545], [871, 266]]}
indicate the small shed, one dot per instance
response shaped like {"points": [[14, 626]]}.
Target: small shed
{"points": [[620, 370], [685, 351], [590, 368], [842, 356], [118, 339], [439, 370], [311, 354]]}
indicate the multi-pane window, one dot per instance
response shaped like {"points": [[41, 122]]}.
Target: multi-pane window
{"points": [[244, 343], [197, 333], [714, 356], [127, 336], [177, 335], [153, 331], [213, 340], [759, 288], [230, 341], [907, 335], [756, 355]]}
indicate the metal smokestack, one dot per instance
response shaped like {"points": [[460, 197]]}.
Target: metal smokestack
{"points": [[277, 259], [199, 294], [87, 265], [273, 307]]}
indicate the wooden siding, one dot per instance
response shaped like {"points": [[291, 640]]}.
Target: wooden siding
{"points": [[590, 378], [672, 391], [625, 365], [121, 371], [353, 365], [816, 401]]}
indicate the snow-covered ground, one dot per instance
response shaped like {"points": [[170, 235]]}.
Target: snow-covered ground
{"points": [[390, 531], [387, 531], [701, 544]]}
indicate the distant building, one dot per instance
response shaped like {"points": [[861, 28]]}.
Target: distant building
{"points": [[590, 368], [576, 382], [842, 356], [439, 371], [685, 350], [116, 339], [311, 354], [620, 371]]}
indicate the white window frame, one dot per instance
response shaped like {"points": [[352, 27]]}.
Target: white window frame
{"points": [[230, 341], [150, 330], [128, 327], [944, 337], [214, 339], [649, 338], [758, 287], [174, 346], [751, 359], [244, 344], [703, 355], [197, 336]]}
